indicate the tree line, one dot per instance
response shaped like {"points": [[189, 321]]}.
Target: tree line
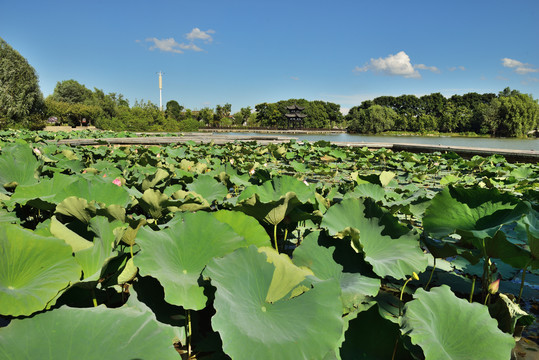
{"points": [[509, 113]]}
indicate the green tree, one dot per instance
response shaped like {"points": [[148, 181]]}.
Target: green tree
{"points": [[21, 100], [72, 92], [174, 110], [373, 120], [205, 115]]}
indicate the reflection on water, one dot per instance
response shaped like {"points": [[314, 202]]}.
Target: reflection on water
{"points": [[492, 143]]}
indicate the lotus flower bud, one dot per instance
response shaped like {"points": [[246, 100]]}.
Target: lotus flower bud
{"points": [[414, 276], [494, 286], [117, 182]]}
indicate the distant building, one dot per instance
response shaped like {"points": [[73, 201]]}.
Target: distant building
{"points": [[295, 116]]}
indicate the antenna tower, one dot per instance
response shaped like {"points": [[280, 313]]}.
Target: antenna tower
{"points": [[160, 73]]}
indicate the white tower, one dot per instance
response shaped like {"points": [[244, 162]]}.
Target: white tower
{"points": [[160, 90]]}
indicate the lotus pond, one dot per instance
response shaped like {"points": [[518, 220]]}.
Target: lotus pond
{"points": [[241, 251]]}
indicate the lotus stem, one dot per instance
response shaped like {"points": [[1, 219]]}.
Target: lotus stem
{"points": [[285, 233], [431, 273], [522, 282], [395, 348], [473, 289], [189, 334], [275, 236], [94, 300], [414, 276]]}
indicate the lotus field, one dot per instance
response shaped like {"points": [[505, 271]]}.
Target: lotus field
{"points": [[292, 251]]}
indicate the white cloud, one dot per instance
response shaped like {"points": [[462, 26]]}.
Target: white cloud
{"points": [[170, 45], [453, 68], [295, 78], [434, 69], [398, 65], [519, 67], [197, 34]]}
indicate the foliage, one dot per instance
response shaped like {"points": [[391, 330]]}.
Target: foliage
{"points": [[510, 114], [21, 100], [286, 251]]}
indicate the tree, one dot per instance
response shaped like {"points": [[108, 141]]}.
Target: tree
{"points": [[72, 92], [174, 110], [373, 120], [20, 96], [205, 115]]}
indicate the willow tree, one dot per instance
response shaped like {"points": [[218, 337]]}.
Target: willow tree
{"points": [[21, 100]]}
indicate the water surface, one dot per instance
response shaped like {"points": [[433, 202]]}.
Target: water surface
{"points": [[489, 143]]}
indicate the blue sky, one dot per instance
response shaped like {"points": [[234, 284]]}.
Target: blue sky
{"points": [[247, 52]]}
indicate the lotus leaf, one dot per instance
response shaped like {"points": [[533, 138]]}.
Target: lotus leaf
{"points": [[304, 324], [93, 258], [18, 165], [130, 332], [34, 269], [273, 200], [78, 208], [154, 202], [209, 188], [95, 189], [474, 212], [177, 255], [244, 225], [42, 195], [447, 327], [356, 288], [396, 257]]}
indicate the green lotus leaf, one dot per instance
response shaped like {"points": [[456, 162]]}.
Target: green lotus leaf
{"points": [[177, 255], [500, 247], [78, 208], [355, 287], [152, 180], [397, 257], [42, 195], [304, 324], [374, 191], [18, 165], [34, 269], [244, 225], [447, 327], [274, 190], [187, 201], [386, 177], [95, 189], [473, 212], [129, 332], [209, 188], [70, 237], [154, 202], [93, 258]]}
